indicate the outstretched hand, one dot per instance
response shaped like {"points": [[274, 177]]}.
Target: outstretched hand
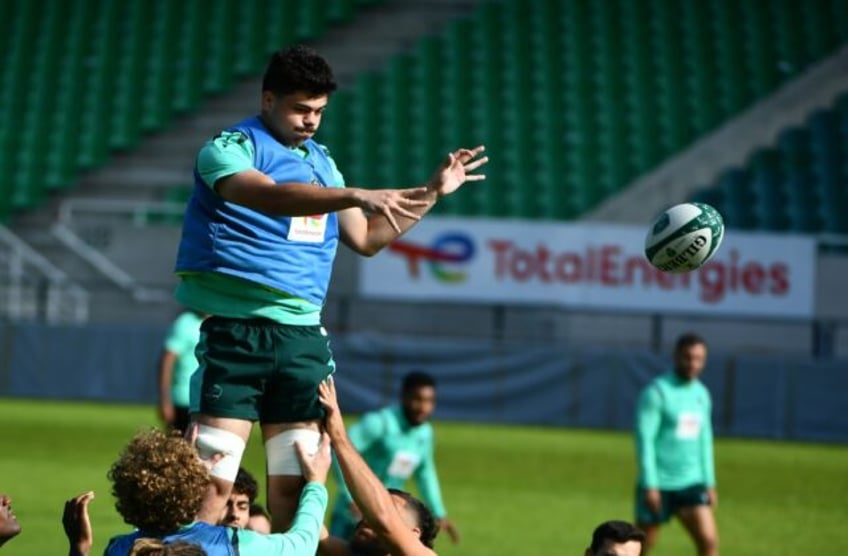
{"points": [[77, 524], [333, 423], [315, 466], [392, 203], [207, 459], [457, 169]]}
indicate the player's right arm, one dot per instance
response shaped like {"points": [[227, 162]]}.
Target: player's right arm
{"points": [[648, 417], [226, 164], [368, 491]]}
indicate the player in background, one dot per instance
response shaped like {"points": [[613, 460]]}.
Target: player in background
{"points": [[176, 365], [259, 519], [616, 538], [393, 522], [397, 443], [259, 238], [674, 446], [244, 493]]}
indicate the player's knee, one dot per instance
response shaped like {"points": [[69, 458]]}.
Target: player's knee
{"points": [[651, 534], [280, 452], [219, 443], [708, 543]]}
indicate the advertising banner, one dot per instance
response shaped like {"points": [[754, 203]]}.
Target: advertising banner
{"points": [[583, 265]]}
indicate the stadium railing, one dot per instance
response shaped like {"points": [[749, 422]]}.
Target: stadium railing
{"points": [[31, 287]]}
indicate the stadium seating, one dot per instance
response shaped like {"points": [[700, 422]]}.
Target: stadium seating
{"points": [[800, 184], [576, 98], [81, 79]]}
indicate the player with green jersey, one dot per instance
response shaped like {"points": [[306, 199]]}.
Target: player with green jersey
{"points": [[397, 444], [266, 215], [674, 445], [176, 366]]}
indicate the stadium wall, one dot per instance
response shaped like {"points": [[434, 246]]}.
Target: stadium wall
{"points": [[774, 397]]}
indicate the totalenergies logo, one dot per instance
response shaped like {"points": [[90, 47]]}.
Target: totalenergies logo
{"points": [[442, 258]]}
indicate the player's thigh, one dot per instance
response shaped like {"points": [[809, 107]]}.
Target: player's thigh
{"points": [[303, 361], [700, 522], [645, 515], [236, 356]]}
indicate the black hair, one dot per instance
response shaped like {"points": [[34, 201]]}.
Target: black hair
{"points": [[416, 379], [426, 521], [615, 531], [298, 68], [688, 339], [246, 484]]}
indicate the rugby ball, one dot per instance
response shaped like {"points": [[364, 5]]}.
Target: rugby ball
{"points": [[684, 237]]}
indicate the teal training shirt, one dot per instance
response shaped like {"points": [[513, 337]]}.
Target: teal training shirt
{"points": [[301, 539], [181, 340], [674, 435], [395, 450]]}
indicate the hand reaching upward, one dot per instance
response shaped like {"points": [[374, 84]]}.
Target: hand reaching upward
{"points": [[456, 169]]}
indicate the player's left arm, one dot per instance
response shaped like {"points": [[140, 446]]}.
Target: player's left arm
{"points": [[368, 234], [371, 496], [427, 480], [708, 455]]}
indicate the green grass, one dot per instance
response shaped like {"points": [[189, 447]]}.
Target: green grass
{"points": [[511, 490]]}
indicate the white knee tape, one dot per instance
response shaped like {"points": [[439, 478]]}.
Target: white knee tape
{"points": [[211, 441], [280, 454]]}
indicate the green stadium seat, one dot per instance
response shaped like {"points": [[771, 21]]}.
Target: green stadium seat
{"points": [[311, 18], [188, 69], [219, 54], [340, 11], [250, 37], [730, 52], [701, 67]]}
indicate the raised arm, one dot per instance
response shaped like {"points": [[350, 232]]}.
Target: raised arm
{"points": [[362, 435], [368, 492], [77, 525], [225, 164], [367, 235], [303, 536]]}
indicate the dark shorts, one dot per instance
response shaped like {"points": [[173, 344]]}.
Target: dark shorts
{"points": [[672, 502], [261, 370], [181, 419]]}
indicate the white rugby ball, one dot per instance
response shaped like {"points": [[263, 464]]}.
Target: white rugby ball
{"points": [[684, 237]]}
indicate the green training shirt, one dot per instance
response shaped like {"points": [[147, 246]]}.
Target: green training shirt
{"points": [[395, 450], [302, 537], [674, 434], [227, 296], [181, 340]]}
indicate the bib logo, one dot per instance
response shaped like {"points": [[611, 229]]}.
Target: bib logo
{"points": [[449, 251]]}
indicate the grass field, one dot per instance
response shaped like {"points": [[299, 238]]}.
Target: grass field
{"points": [[512, 490]]}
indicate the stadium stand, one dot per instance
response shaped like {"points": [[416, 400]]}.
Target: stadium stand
{"points": [[800, 184], [577, 98], [83, 79]]}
